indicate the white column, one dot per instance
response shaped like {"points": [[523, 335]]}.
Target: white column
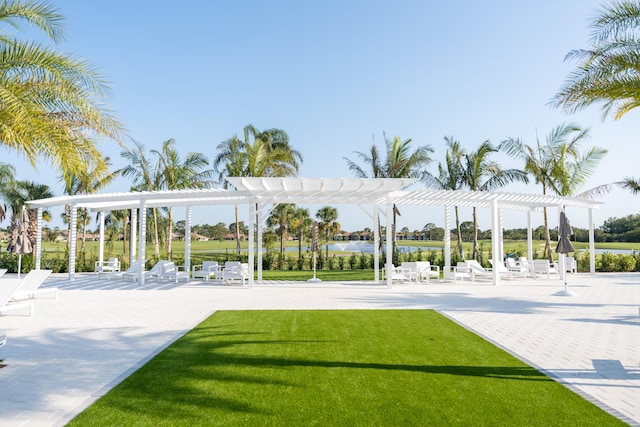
{"points": [[250, 249], [501, 235], [73, 241], [101, 238], [142, 240], [187, 240], [561, 257], [389, 260], [260, 230], [447, 238], [376, 244], [495, 239], [39, 239], [529, 239], [132, 239], [592, 244]]}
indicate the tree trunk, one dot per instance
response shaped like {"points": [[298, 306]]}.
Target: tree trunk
{"points": [[156, 238], [461, 252], [475, 234], [237, 234]]}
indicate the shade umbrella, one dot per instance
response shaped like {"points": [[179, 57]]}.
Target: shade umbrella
{"points": [[22, 244], [564, 247]]}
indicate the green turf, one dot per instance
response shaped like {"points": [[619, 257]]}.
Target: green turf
{"points": [[338, 368]]}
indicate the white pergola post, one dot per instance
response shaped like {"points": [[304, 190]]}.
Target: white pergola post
{"points": [[501, 236], [447, 238], [561, 257], [101, 237], [187, 240], [529, 239], [132, 238], [251, 249], [592, 245], [260, 230], [142, 240], [73, 240], [389, 234], [376, 244], [495, 239], [39, 239]]}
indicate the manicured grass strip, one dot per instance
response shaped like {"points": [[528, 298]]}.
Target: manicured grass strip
{"points": [[340, 368], [324, 275]]}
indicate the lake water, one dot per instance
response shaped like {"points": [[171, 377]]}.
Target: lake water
{"points": [[365, 247]]}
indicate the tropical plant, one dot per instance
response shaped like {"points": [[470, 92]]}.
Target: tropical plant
{"points": [[450, 177], [557, 165], [399, 162], [481, 174], [607, 71], [51, 102], [280, 217], [328, 224], [300, 223]]}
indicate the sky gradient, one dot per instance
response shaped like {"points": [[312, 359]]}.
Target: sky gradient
{"points": [[334, 75]]}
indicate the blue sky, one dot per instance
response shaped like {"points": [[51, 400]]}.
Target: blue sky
{"points": [[334, 75]]}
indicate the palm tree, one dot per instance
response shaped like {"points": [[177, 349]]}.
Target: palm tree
{"points": [[269, 154], [450, 177], [557, 165], [280, 217], [428, 228], [399, 162], [300, 222], [145, 177], [607, 71], [328, 224], [178, 174], [51, 102], [482, 174]]}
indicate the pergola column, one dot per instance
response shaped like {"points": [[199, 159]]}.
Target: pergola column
{"points": [[39, 239], [592, 245], [376, 243], [495, 239], [132, 238], [447, 238], [187, 240], [250, 249], [101, 237], [529, 240], [142, 240], [260, 230], [389, 261], [73, 240]]}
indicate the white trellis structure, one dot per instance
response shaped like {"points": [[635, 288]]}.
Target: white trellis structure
{"points": [[375, 196]]}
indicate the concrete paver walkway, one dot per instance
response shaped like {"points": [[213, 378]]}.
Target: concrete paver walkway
{"points": [[75, 348]]}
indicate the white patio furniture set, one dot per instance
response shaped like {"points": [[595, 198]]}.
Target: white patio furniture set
{"points": [[15, 294], [416, 271]]}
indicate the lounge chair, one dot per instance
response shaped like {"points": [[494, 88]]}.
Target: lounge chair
{"points": [[402, 274], [477, 270], [2, 271], [516, 265], [458, 273], [507, 273], [7, 288], [110, 266], [206, 270], [133, 272], [543, 266], [234, 270], [421, 270], [30, 286]]}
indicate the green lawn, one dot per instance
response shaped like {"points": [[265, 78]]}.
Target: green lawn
{"points": [[338, 368]]}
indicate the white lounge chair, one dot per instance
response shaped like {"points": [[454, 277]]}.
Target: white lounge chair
{"points": [[235, 270], [7, 288], [570, 264], [402, 274], [2, 271], [477, 270], [30, 286], [206, 270], [458, 273], [506, 272], [516, 265], [110, 266], [133, 272], [543, 266]]}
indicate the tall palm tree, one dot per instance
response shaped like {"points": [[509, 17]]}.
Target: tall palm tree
{"points": [[280, 217], [482, 174], [51, 102], [300, 223], [557, 165], [607, 71], [399, 162], [265, 153], [145, 177], [450, 177], [328, 224], [178, 174]]}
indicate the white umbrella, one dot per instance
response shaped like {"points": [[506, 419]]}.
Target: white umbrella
{"points": [[22, 244], [563, 248]]}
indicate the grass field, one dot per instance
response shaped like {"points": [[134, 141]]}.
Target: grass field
{"points": [[338, 368]]}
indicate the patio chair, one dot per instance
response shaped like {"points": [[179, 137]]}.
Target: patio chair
{"points": [[235, 270], [421, 270], [543, 266], [402, 274], [570, 264], [206, 270], [458, 273], [477, 270], [110, 266], [7, 288], [133, 272], [30, 286], [171, 271], [507, 273], [516, 265]]}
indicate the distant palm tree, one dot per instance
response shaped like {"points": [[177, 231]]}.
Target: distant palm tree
{"points": [[280, 217], [299, 224], [450, 177], [557, 165], [328, 224], [398, 162], [608, 70], [482, 174], [177, 174], [51, 102]]}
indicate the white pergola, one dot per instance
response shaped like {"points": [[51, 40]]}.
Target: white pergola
{"points": [[260, 195]]}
